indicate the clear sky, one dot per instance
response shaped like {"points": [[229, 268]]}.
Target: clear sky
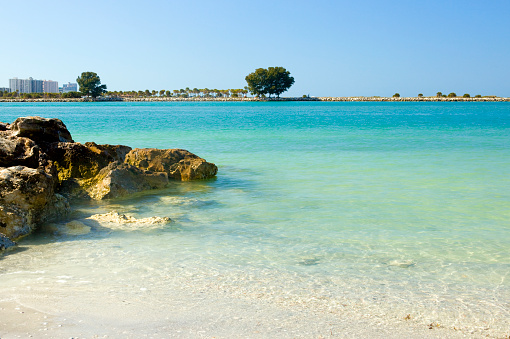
{"points": [[332, 48]]}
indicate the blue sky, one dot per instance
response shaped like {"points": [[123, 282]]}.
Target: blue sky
{"points": [[332, 48]]}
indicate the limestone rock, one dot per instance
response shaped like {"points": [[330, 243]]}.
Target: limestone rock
{"points": [[41, 130], [18, 151], [27, 197], [75, 160], [5, 242], [115, 217], [177, 163], [193, 169], [4, 126], [120, 179]]}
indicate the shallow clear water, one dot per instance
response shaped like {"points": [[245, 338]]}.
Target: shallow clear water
{"points": [[395, 208]]}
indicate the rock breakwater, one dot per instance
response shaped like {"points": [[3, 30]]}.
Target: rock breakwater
{"points": [[42, 170]]}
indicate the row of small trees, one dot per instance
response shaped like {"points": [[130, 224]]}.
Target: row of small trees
{"points": [[16, 94], [441, 95], [184, 93]]}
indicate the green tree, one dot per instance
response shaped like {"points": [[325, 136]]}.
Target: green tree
{"points": [[439, 94], [90, 84], [272, 81], [279, 80], [420, 95], [452, 95], [396, 95], [466, 96]]}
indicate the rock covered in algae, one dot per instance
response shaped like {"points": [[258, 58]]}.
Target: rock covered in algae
{"points": [[27, 198], [177, 163], [119, 179]]}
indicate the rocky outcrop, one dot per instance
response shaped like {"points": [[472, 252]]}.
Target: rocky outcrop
{"points": [[177, 163], [41, 168], [27, 198], [120, 179], [75, 160], [18, 151], [41, 130]]}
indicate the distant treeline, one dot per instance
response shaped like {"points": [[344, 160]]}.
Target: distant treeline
{"points": [[67, 95], [182, 93]]}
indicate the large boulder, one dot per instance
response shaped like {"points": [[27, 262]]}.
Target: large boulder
{"points": [[18, 151], [41, 130], [27, 198], [177, 163], [121, 179], [75, 160]]}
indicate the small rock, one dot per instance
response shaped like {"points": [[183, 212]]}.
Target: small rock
{"points": [[5, 242], [114, 217]]}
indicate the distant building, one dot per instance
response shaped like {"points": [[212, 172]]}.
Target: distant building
{"points": [[4, 89], [49, 86], [69, 87], [25, 85]]}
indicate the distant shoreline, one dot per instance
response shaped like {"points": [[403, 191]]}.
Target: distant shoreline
{"points": [[315, 99]]}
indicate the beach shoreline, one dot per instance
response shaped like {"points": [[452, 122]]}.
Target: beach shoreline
{"points": [[187, 314]]}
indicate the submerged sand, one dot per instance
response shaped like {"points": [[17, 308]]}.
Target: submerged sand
{"points": [[71, 312]]}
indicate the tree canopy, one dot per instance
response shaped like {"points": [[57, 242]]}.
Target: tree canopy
{"points": [[90, 84], [271, 81]]}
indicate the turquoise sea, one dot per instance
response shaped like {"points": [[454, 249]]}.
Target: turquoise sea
{"points": [[385, 209]]}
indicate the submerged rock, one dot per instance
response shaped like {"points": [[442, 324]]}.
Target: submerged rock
{"points": [[73, 227], [177, 163], [116, 218]]}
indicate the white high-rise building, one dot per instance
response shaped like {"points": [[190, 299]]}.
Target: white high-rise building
{"points": [[25, 85], [69, 87], [50, 86]]}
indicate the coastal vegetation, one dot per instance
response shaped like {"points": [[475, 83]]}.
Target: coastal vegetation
{"points": [[270, 81], [182, 93], [90, 84]]}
